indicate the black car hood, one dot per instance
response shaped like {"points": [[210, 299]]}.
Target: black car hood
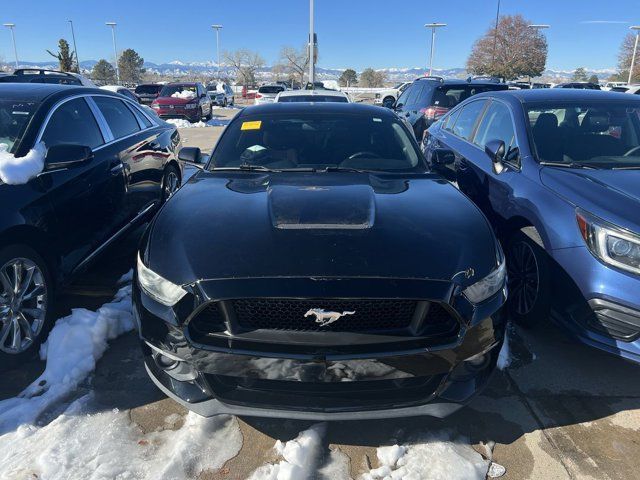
{"points": [[613, 195], [319, 225]]}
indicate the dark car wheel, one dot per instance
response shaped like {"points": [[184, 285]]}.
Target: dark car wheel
{"points": [[224, 103], [233, 101], [528, 269], [170, 182], [26, 295]]}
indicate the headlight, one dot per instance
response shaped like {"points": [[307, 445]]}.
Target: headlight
{"points": [[155, 105], [489, 285], [611, 244], [190, 106], [157, 287]]}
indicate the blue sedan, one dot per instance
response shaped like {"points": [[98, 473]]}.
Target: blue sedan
{"points": [[558, 173]]}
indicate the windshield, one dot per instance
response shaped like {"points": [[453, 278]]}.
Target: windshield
{"points": [[178, 90], [14, 118], [313, 98], [318, 141], [148, 89], [592, 135]]}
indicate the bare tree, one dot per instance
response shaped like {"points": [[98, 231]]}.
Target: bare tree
{"points": [[519, 50], [295, 61], [246, 64], [624, 59], [369, 78]]}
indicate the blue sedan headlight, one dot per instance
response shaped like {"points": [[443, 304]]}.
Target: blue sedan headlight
{"points": [[609, 243]]}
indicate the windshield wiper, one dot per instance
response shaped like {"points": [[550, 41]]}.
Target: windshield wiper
{"points": [[345, 169], [244, 168], [567, 165]]}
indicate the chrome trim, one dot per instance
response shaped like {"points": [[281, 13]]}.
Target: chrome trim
{"points": [[113, 237], [107, 134]]}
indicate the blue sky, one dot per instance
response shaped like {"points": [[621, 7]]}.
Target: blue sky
{"points": [[351, 33]]}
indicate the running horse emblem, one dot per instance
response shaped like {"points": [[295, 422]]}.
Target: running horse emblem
{"points": [[324, 317]]}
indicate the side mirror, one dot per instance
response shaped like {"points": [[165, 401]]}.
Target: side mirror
{"points": [[63, 156], [397, 106], [191, 155], [496, 150], [443, 157]]}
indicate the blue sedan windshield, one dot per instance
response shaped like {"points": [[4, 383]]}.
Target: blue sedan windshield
{"points": [[596, 135]]}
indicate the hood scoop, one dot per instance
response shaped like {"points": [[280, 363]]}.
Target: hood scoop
{"points": [[315, 207]]}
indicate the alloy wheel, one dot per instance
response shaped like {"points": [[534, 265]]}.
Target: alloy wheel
{"points": [[171, 184], [23, 301], [524, 278]]}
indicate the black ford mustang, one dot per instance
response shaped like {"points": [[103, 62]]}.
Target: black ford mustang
{"points": [[316, 269]]}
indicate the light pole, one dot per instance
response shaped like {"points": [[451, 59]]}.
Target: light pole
{"points": [[217, 28], [115, 49], [433, 27], [635, 51], [495, 36], [312, 50], [11, 26], [75, 47]]}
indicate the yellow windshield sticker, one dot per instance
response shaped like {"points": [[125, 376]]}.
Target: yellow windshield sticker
{"points": [[255, 125]]}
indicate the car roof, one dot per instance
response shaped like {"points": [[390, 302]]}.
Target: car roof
{"points": [[556, 95], [457, 81], [338, 108], [304, 93], [38, 92]]}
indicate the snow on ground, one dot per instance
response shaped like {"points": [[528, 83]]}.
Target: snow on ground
{"points": [[16, 171], [184, 94], [214, 122], [72, 349], [299, 457], [504, 358], [437, 457], [82, 444]]}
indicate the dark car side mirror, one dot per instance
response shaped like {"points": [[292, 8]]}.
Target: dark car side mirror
{"points": [[64, 156], [443, 157], [397, 106], [496, 150], [191, 155]]}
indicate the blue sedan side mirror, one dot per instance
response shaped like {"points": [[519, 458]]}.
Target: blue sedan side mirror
{"points": [[496, 150]]}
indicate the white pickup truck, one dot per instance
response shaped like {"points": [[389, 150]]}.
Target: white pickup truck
{"points": [[388, 97]]}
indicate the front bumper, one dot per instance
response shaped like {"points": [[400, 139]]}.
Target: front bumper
{"points": [[243, 376], [192, 114], [606, 312]]}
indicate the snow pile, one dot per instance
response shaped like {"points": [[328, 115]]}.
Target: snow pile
{"points": [[80, 444], [182, 123], [75, 344], [184, 94], [19, 170], [436, 458], [300, 457], [504, 358]]}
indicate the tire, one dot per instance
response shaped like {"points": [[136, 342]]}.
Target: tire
{"points": [[529, 300], [170, 182], [233, 101], [33, 313], [200, 116], [209, 115], [224, 102]]}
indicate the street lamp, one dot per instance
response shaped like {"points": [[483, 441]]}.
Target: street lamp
{"points": [[75, 48], [635, 51], [433, 27], [11, 26], [115, 49], [217, 28], [312, 47]]}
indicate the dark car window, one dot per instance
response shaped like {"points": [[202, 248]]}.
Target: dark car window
{"points": [[594, 134], [148, 89], [412, 94], [402, 99], [467, 119], [127, 93], [450, 120], [425, 95], [318, 141], [14, 118], [73, 123], [120, 119], [271, 89], [497, 124], [312, 98], [141, 117]]}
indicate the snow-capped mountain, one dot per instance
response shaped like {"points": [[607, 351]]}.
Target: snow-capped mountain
{"points": [[178, 68]]}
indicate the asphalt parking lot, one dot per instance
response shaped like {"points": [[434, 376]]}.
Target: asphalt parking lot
{"points": [[559, 411]]}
